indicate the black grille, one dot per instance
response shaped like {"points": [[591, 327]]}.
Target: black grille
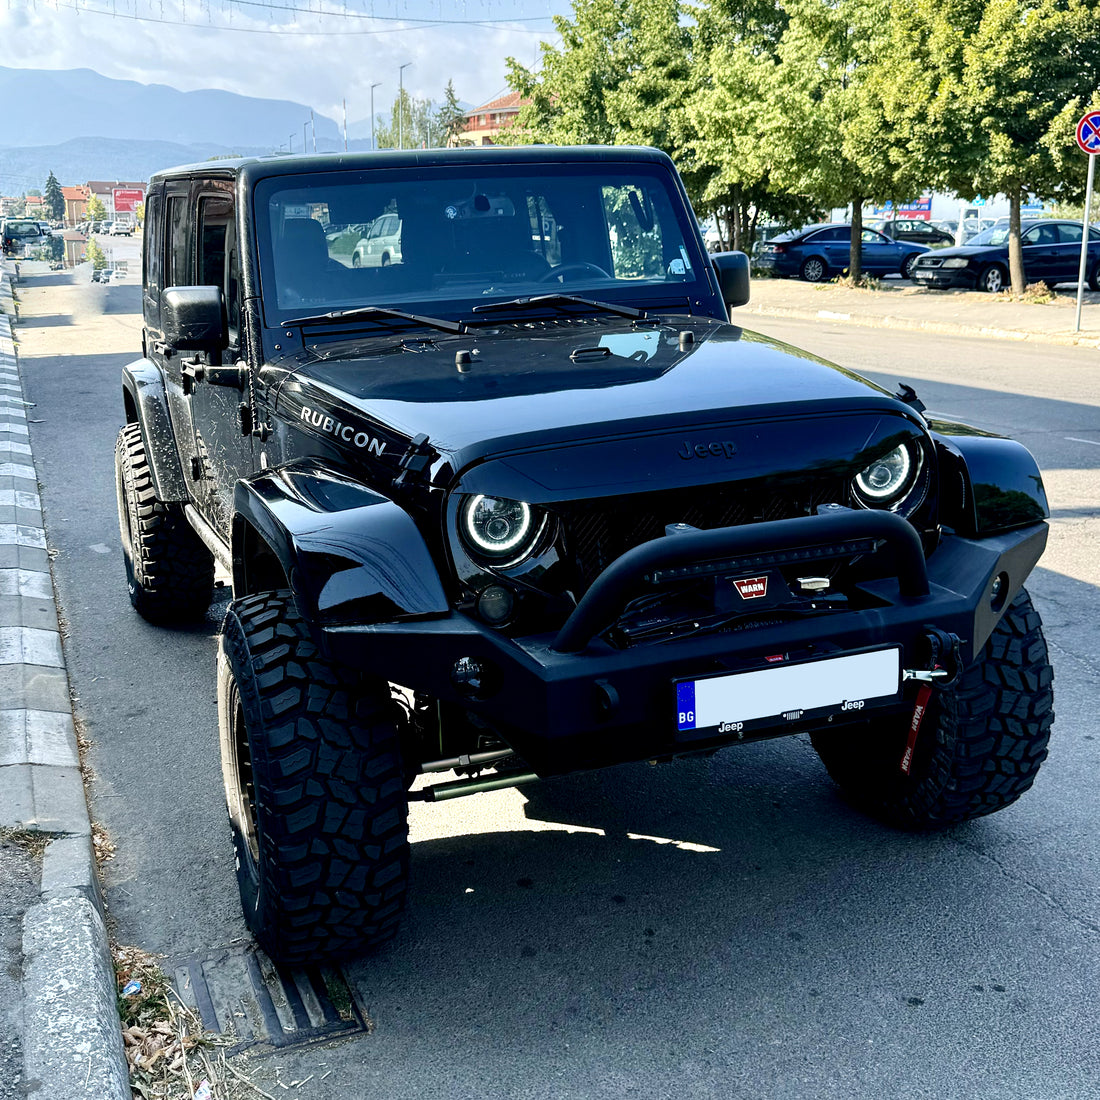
{"points": [[599, 531]]}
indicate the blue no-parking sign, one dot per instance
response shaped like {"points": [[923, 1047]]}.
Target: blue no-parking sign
{"points": [[1088, 132]]}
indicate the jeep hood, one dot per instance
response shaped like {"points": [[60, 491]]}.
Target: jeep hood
{"points": [[545, 385]]}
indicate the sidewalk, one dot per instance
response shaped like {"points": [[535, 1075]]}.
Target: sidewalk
{"points": [[901, 305], [68, 1028]]}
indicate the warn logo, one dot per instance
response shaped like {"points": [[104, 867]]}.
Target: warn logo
{"points": [[752, 588]]}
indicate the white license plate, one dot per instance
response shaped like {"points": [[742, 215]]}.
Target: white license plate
{"points": [[742, 701]]}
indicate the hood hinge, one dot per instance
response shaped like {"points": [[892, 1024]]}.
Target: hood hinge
{"points": [[416, 459]]}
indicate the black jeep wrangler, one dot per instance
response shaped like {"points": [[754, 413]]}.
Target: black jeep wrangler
{"points": [[522, 501]]}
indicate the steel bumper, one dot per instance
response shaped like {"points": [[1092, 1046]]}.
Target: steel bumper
{"points": [[571, 700]]}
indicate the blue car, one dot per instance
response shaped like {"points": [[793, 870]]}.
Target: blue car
{"points": [[1051, 249], [822, 251]]}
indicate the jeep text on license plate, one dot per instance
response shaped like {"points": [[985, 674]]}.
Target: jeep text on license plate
{"points": [[743, 701]]}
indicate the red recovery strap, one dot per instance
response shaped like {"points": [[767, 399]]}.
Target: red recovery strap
{"points": [[924, 693]]}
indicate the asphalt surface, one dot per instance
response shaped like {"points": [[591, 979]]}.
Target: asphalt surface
{"points": [[726, 927]]}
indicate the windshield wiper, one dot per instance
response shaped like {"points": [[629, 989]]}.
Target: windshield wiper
{"points": [[559, 300], [364, 313]]}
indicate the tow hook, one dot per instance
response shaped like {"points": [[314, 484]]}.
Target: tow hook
{"points": [[944, 671]]}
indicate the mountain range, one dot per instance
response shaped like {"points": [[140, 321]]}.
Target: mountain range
{"points": [[85, 126]]}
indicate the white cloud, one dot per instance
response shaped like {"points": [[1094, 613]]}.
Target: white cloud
{"points": [[220, 45]]}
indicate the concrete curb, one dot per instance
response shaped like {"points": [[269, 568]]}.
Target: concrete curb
{"points": [[72, 1042], [945, 328]]}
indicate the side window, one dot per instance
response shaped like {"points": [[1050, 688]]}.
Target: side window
{"points": [[870, 236], [177, 261], [217, 259], [1069, 234], [152, 256]]}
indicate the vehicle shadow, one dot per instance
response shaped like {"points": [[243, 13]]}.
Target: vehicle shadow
{"points": [[700, 914]]}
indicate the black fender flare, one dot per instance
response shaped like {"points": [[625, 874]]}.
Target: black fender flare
{"points": [[350, 555], [146, 402], [988, 484]]}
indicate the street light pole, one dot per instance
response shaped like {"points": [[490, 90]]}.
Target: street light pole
{"points": [[373, 144], [290, 143], [401, 103]]}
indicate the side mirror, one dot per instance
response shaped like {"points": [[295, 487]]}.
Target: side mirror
{"points": [[732, 269], [193, 318]]}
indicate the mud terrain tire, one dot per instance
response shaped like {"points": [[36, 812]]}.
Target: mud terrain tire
{"points": [[314, 785], [169, 571], [980, 745]]}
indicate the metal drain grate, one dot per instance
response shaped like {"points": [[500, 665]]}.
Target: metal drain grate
{"points": [[239, 992]]}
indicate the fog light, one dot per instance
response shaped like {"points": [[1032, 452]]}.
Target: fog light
{"points": [[468, 676], [495, 605]]}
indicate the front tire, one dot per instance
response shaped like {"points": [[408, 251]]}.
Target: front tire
{"points": [[909, 263], [993, 279], [169, 570], [314, 785], [813, 270], [980, 745], [1094, 277]]}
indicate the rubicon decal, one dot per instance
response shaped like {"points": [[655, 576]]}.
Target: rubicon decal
{"points": [[323, 422], [752, 588]]}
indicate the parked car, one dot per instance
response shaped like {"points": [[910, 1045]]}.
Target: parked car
{"points": [[101, 275], [16, 234], [913, 230], [381, 245], [820, 251], [579, 517], [1052, 255], [121, 229]]}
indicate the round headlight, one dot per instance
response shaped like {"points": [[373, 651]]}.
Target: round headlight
{"points": [[499, 529], [887, 478]]}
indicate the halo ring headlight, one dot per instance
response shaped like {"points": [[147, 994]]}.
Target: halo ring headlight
{"points": [[499, 530], [889, 478]]}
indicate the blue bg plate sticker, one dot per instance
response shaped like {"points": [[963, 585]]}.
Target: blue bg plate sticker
{"points": [[787, 693]]}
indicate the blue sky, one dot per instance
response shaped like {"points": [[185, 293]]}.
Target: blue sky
{"points": [[315, 52]]}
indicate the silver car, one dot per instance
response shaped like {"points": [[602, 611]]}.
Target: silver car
{"points": [[381, 245]]}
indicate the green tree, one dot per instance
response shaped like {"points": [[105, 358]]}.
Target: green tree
{"points": [[1004, 82], [95, 255], [95, 211], [731, 157], [413, 124], [54, 200], [834, 144], [450, 118]]}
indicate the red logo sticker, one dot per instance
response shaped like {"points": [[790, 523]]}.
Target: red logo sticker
{"points": [[752, 588]]}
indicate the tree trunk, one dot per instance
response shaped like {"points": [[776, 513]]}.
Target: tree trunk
{"points": [[736, 219], [855, 263], [1015, 250]]}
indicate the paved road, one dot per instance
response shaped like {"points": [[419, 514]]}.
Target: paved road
{"points": [[728, 927]]}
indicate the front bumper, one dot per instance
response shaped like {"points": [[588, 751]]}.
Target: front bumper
{"points": [[571, 700], [963, 277]]}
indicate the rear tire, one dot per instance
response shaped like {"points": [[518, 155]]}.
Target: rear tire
{"points": [[980, 745], [169, 571], [813, 270], [1094, 277], [314, 785]]}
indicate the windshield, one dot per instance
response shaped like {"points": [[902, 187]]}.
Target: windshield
{"points": [[451, 237], [22, 229]]}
